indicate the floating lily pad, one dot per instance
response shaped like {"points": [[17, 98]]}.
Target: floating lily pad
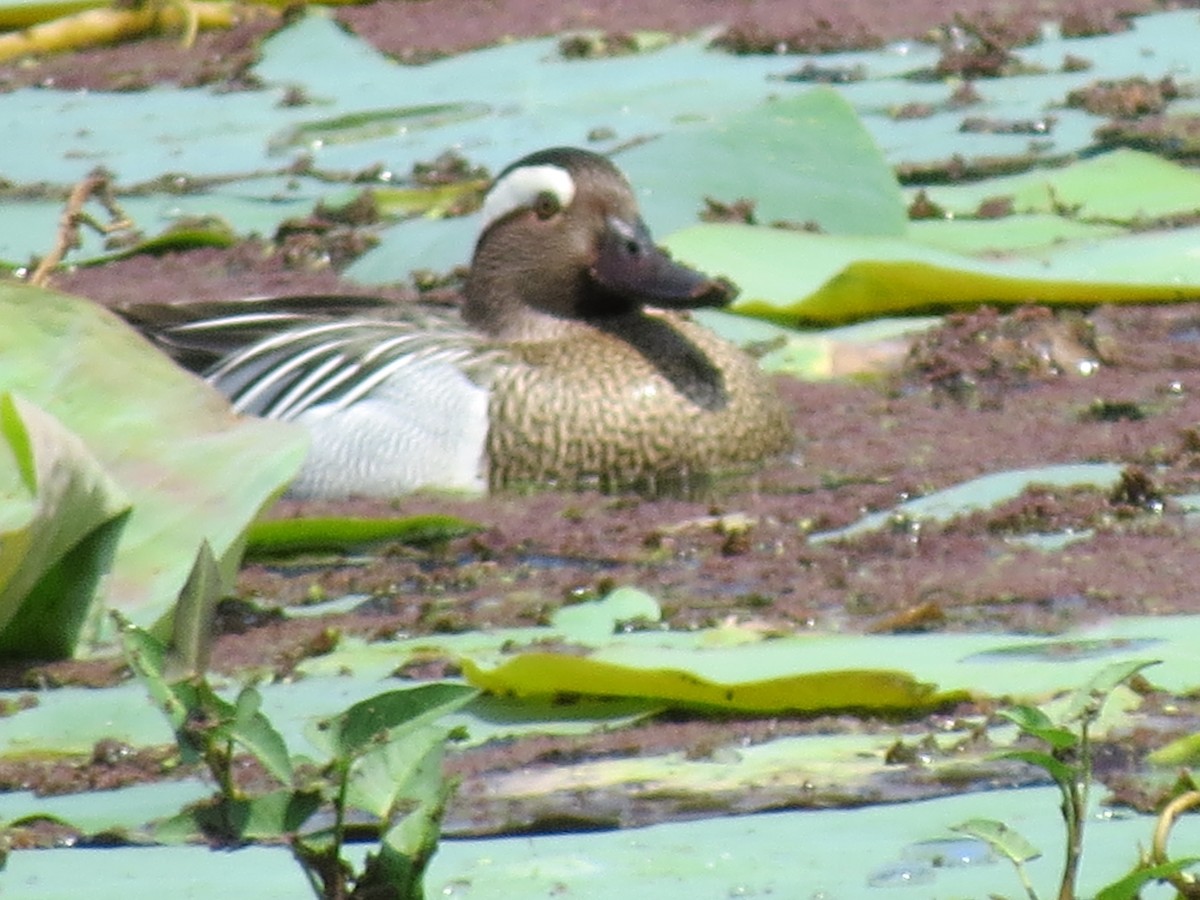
{"points": [[1122, 186], [549, 674], [1011, 235], [797, 277], [804, 158], [980, 493]]}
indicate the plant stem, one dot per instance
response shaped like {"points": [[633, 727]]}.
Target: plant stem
{"points": [[1075, 800], [339, 818], [1025, 882], [302, 854], [1183, 882]]}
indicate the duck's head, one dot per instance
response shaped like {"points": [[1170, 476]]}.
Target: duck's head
{"points": [[562, 241]]}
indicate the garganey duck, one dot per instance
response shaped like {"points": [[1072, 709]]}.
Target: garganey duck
{"points": [[572, 362]]}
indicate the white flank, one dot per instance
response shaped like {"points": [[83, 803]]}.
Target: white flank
{"points": [[520, 187]]}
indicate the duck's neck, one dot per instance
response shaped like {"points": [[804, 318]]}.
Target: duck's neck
{"points": [[515, 303], [515, 321]]}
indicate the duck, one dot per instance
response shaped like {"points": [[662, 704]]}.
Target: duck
{"points": [[572, 359]]}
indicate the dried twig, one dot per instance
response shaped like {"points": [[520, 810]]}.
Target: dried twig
{"points": [[96, 185]]}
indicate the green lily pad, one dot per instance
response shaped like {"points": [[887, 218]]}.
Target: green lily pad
{"points": [[1122, 186], [798, 277], [593, 622], [1016, 234], [798, 853], [805, 158], [550, 674], [980, 493]]}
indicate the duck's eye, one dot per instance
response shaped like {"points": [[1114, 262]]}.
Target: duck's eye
{"points": [[546, 204]]}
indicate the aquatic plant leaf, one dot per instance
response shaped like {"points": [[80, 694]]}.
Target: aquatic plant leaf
{"points": [[1086, 700], [542, 674], [255, 733], [191, 625], [383, 776], [372, 124], [979, 493], [1059, 771], [61, 516], [190, 704], [179, 237], [793, 276], [1125, 186], [264, 817], [1034, 721], [1000, 837], [393, 713], [1023, 235], [147, 657], [191, 470], [863, 348], [704, 857], [433, 200], [1130, 887], [337, 534], [409, 845], [591, 622], [804, 158]]}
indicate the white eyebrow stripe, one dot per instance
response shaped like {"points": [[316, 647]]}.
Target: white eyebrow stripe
{"points": [[520, 187]]}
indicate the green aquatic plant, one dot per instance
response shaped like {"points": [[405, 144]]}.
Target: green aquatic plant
{"points": [[383, 758], [1067, 756]]}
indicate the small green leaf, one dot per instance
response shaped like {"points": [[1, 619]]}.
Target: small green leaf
{"points": [[1086, 701], [146, 655], [383, 777], [1000, 838], [209, 231], [254, 732], [191, 624], [1062, 774], [434, 200], [267, 817], [408, 846], [1036, 723], [1029, 719], [210, 716], [351, 732], [372, 124], [1129, 887]]}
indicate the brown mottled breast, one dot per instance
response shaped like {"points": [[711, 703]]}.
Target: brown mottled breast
{"points": [[646, 395]]}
